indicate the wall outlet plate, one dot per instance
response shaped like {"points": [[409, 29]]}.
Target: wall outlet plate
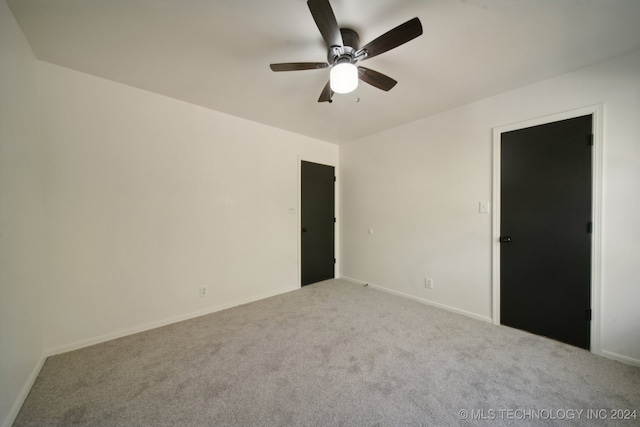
{"points": [[428, 282]]}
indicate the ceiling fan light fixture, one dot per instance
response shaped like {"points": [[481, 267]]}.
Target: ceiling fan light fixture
{"points": [[343, 77], [344, 52]]}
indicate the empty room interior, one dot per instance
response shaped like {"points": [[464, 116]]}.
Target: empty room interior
{"points": [[166, 166]]}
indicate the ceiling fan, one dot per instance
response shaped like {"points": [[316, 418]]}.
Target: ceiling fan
{"points": [[344, 52]]}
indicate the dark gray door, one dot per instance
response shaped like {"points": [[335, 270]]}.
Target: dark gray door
{"points": [[318, 222], [545, 227]]}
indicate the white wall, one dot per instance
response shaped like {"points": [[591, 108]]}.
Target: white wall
{"points": [[21, 327], [148, 198], [418, 187], [120, 204]]}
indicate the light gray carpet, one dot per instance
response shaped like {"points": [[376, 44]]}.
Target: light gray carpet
{"points": [[333, 353]]}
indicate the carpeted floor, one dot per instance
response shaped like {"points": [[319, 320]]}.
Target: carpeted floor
{"points": [[333, 353]]}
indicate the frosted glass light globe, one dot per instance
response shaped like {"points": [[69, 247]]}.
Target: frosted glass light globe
{"points": [[343, 78]]}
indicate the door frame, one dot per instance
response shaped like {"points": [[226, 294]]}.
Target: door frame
{"points": [[336, 208], [596, 111]]}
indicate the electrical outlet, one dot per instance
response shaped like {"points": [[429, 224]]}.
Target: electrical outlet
{"points": [[203, 291], [428, 282]]}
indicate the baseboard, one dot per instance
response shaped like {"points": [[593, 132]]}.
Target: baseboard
{"points": [[26, 388], [422, 300], [158, 324], [620, 358], [614, 356]]}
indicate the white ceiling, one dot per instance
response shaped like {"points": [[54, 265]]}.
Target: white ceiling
{"points": [[216, 53]]}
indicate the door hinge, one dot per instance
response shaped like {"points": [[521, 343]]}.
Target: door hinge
{"points": [[589, 314], [334, 220], [335, 178], [334, 260], [589, 227], [590, 139]]}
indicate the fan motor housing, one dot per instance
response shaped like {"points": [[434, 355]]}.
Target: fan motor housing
{"points": [[350, 42]]}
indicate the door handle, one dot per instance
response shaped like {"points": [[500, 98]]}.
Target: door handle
{"points": [[304, 230], [505, 239]]}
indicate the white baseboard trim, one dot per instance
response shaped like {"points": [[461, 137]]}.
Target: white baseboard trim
{"points": [[422, 300], [26, 388], [620, 358], [160, 323], [608, 354], [15, 409]]}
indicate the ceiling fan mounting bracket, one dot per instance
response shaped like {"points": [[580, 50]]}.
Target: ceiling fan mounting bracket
{"points": [[361, 55], [334, 53]]}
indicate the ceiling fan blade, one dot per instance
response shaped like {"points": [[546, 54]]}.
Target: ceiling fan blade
{"points": [[326, 22], [376, 79], [393, 38], [296, 66], [326, 94]]}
